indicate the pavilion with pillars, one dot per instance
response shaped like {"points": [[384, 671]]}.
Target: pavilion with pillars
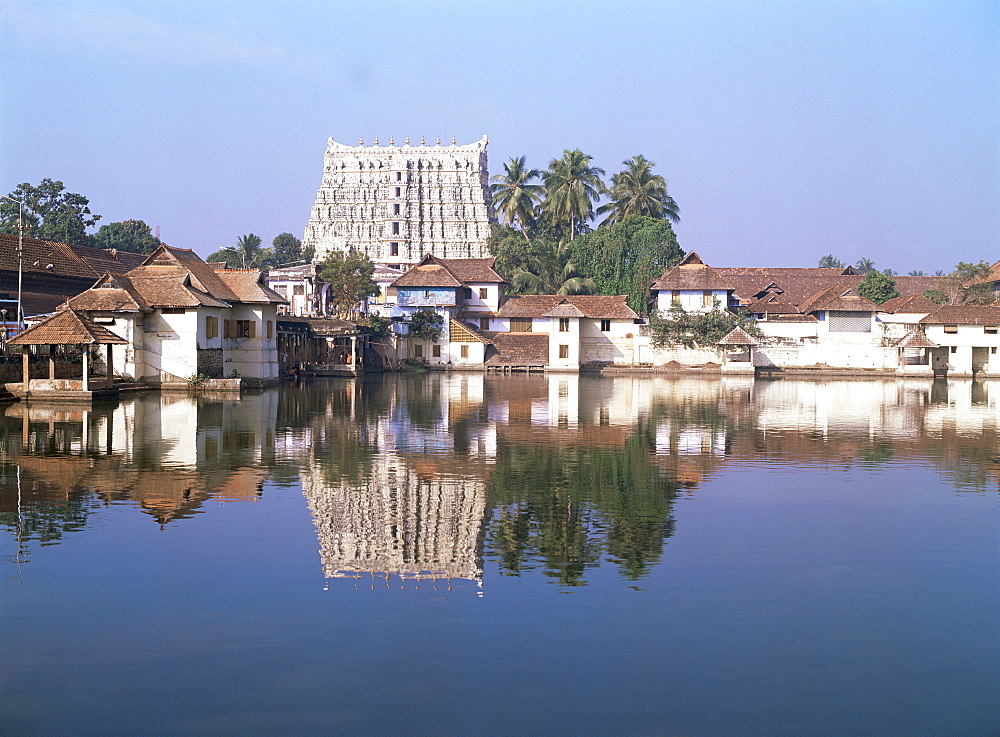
{"points": [[65, 328]]}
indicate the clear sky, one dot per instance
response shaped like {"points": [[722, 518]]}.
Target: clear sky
{"points": [[785, 130]]}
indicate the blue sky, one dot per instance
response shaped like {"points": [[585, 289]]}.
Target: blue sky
{"points": [[785, 130]]}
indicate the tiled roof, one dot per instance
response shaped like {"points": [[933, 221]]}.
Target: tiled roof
{"points": [[518, 349], [66, 327], [739, 336], [838, 297], [915, 339], [173, 290], [910, 303], [964, 315], [110, 294], [169, 261], [432, 271], [598, 307], [772, 304], [692, 273], [248, 285], [565, 309]]}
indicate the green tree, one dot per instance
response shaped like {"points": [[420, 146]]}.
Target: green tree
{"points": [[830, 262], [916, 272], [967, 284], [246, 254], [350, 278], [287, 249], [425, 324], [514, 197], [550, 270], [572, 186], [878, 287], [637, 191], [864, 265], [698, 329], [627, 257], [133, 236], [50, 213]]}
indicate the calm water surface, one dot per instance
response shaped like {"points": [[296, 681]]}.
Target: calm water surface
{"points": [[467, 555]]}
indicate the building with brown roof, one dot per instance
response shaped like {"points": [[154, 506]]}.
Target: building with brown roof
{"points": [[181, 317], [968, 339]]}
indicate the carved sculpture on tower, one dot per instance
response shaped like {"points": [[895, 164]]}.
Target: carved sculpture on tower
{"points": [[397, 203]]}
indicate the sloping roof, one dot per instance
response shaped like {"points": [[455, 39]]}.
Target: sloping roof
{"points": [[565, 308], [173, 290], [692, 273], [964, 315], [168, 261], [66, 327], [773, 304], [110, 294], [738, 336], [248, 285], [910, 303], [433, 271], [464, 334], [519, 349], [915, 339], [62, 259], [593, 306], [838, 297]]}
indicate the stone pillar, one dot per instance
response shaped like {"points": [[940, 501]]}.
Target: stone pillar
{"points": [[86, 368], [52, 362], [354, 352], [25, 367]]}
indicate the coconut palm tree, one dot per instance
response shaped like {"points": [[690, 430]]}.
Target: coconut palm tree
{"points": [[514, 197], [830, 262], [864, 265], [638, 191], [572, 186], [250, 251], [550, 270]]}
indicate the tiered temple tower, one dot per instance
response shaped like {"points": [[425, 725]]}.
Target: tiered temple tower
{"points": [[397, 203]]}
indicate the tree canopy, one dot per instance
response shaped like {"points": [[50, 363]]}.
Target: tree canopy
{"points": [[350, 278], [572, 186], [878, 287], [287, 249], [627, 257], [133, 236], [50, 213], [698, 329], [966, 284], [637, 191], [514, 196]]}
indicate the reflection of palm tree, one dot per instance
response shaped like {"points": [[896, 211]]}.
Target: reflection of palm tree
{"points": [[572, 185], [637, 191], [514, 196], [550, 270]]}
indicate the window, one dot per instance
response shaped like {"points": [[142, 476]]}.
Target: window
{"points": [[299, 289], [605, 326], [564, 351], [520, 324], [954, 349], [270, 330], [172, 310], [436, 350], [395, 228], [418, 351], [463, 351], [675, 297], [563, 324], [990, 329], [706, 298], [244, 329], [483, 292], [467, 292], [211, 327], [399, 176], [484, 323], [951, 329], [398, 190], [395, 209], [394, 249]]}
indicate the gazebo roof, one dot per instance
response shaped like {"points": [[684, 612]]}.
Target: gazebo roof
{"points": [[66, 327], [738, 336], [915, 339]]}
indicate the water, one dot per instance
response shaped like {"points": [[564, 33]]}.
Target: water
{"points": [[458, 554]]}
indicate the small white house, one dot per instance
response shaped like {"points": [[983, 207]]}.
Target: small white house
{"points": [[968, 339]]}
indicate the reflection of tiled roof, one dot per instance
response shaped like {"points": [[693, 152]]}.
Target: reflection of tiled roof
{"points": [[910, 303], [519, 349], [964, 315], [598, 307], [66, 327], [840, 298]]}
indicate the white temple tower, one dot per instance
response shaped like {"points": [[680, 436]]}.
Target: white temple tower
{"points": [[397, 203]]}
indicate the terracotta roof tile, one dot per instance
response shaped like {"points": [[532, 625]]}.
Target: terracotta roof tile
{"points": [[964, 315], [249, 287], [432, 271], [592, 306], [909, 303], [915, 339], [738, 336], [66, 327], [838, 297], [110, 294], [169, 261], [519, 349]]}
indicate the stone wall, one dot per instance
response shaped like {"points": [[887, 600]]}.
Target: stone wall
{"points": [[210, 362]]}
